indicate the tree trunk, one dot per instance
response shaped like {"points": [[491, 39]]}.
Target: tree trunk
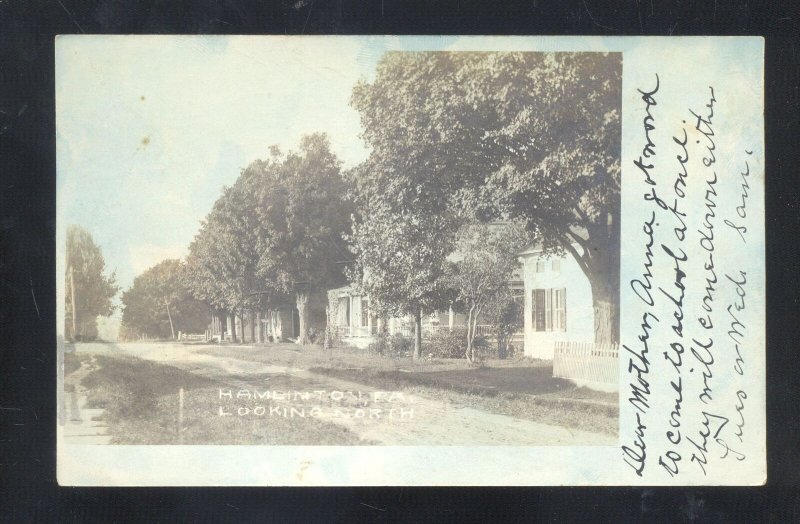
{"points": [[273, 326], [232, 319], [606, 312], [252, 326], [417, 334], [326, 343], [470, 334], [602, 270], [302, 307]]}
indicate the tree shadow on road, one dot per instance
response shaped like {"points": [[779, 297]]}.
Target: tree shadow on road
{"points": [[487, 381]]}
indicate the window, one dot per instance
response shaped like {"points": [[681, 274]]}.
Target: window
{"points": [[556, 264], [549, 309], [540, 266], [560, 309]]}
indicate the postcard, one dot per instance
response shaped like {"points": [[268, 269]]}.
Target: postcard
{"points": [[383, 260]]}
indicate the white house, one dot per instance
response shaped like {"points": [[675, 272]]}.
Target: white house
{"points": [[356, 324], [558, 302]]}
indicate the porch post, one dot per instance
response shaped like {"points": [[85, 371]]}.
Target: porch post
{"points": [[450, 318]]}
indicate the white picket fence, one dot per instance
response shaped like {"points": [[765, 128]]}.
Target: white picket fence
{"points": [[357, 331], [586, 361], [194, 337]]}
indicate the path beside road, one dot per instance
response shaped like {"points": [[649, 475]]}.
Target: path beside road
{"points": [[83, 425]]}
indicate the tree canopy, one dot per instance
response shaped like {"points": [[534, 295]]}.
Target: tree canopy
{"points": [[87, 284], [401, 238], [303, 218], [159, 303], [224, 255], [533, 137], [278, 232]]}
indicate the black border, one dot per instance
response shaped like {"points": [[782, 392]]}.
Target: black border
{"points": [[28, 492]]}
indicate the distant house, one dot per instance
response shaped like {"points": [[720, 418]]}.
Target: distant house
{"points": [[351, 317], [558, 303], [356, 324]]}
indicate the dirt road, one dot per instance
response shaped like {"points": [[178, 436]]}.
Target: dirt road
{"points": [[387, 417]]}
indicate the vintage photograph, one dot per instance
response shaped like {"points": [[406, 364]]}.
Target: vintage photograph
{"points": [[354, 244]]}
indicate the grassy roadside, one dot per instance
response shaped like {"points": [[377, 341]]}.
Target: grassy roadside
{"points": [[566, 409], [141, 400], [72, 362], [521, 388]]}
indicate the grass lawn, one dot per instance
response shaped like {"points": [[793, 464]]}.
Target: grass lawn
{"points": [[72, 363], [521, 387], [141, 400]]}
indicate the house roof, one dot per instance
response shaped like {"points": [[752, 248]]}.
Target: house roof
{"points": [[536, 249]]}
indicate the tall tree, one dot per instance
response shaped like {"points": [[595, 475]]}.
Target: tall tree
{"points": [[303, 219], [484, 262], [528, 136], [89, 291], [159, 304], [223, 257], [400, 262], [401, 238]]}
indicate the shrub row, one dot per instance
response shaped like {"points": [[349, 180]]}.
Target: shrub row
{"points": [[440, 344]]}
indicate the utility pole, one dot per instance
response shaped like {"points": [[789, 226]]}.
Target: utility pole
{"points": [[171, 328], [74, 310]]}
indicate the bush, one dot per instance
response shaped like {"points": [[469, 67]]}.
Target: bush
{"points": [[446, 344], [313, 335], [395, 346], [483, 349]]}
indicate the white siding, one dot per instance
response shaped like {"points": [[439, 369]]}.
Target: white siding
{"points": [[355, 311], [579, 310]]}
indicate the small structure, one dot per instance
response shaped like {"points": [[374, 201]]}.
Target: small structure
{"points": [[279, 324], [558, 303]]}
